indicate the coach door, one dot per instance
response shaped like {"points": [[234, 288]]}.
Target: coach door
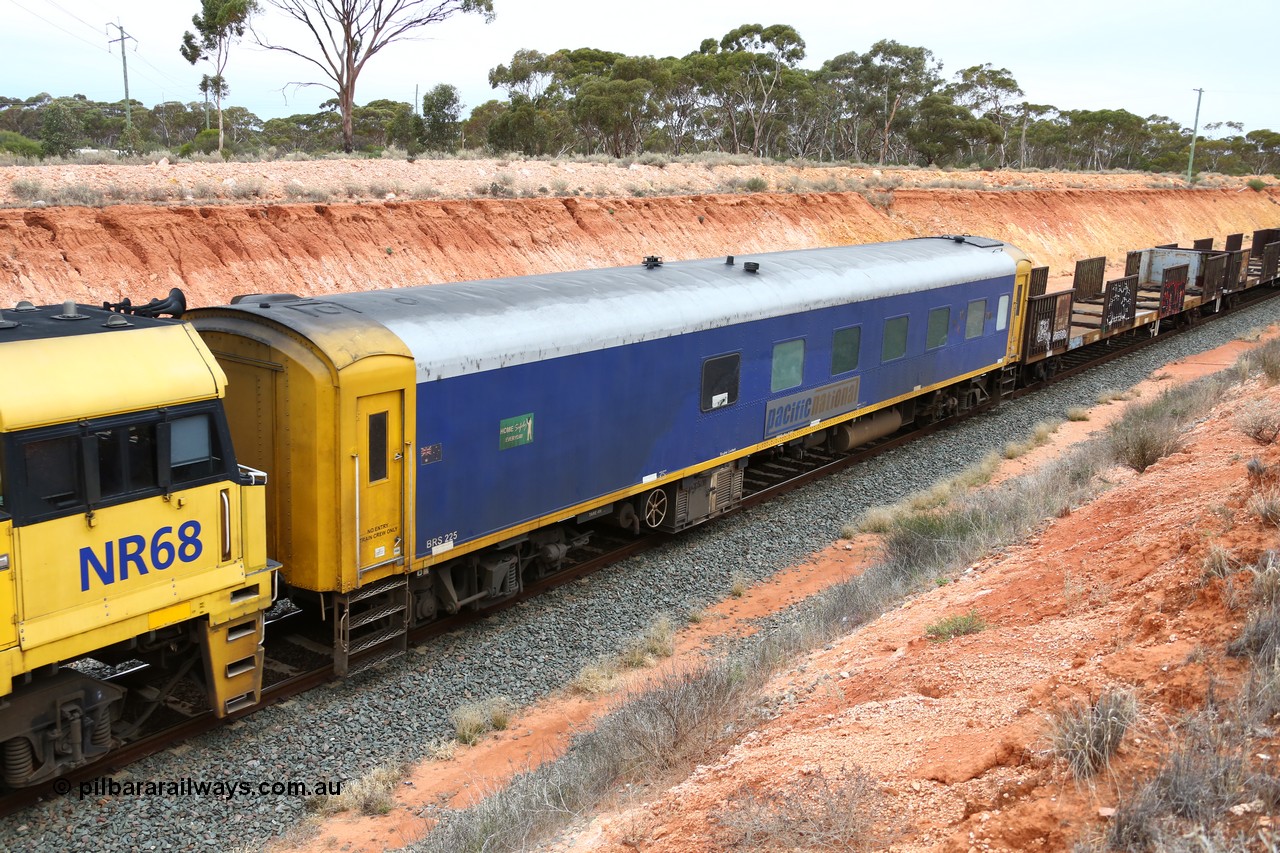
{"points": [[380, 479]]}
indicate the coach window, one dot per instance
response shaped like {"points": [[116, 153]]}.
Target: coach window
{"points": [[939, 321], [975, 317], [895, 339], [788, 365], [53, 474], [845, 344], [720, 381], [1002, 313]]}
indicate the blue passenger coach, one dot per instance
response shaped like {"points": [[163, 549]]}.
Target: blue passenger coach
{"points": [[460, 433]]}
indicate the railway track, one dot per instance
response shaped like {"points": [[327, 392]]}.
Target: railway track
{"points": [[299, 659]]}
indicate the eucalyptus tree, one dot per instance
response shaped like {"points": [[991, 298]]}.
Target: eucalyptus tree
{"points": [[893, 78], [218, 26], [348, 33], [989, 93], [744, 75], [943, 128], [61, 132], [442, 118]]}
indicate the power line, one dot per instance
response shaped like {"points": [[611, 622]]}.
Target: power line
{"points": [[59, 26], [71, 15]]}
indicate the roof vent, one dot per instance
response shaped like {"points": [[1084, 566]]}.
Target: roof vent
{"points": [[6, 324], [69, 312], [24, 305], [750, 266], [117, 321], [728, 261], [652, 261]]}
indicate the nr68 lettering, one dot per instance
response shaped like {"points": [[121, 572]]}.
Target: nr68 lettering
{"points": [[137, 554]]}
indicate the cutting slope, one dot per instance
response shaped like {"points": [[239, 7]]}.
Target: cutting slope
{"points": [[215, 252]]}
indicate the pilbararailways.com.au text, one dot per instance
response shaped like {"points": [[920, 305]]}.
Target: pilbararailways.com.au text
{"points": [[227, 789]]}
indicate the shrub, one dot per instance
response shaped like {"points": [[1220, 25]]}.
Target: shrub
{"points": [[756, 185], [27, 189], [1260, 638], [1267, 359], [950, 627], [1086, 735], [79, 194], [16, 143], [816, 812], [1142, 438], [1077, 413], [1260, 421], [244, 189], [1256, 184]]}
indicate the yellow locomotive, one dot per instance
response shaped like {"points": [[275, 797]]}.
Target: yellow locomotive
{"points": [[128, 534]]}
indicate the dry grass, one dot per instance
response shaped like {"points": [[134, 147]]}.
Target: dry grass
{"points": [[1265, 504], [1040, 435], [597, 677], [371, 794], [1218, 563], [658, 641], [474, 720], [1086, 735]]}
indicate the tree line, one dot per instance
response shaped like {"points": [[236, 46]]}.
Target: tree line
{"points": [[743, 93]]}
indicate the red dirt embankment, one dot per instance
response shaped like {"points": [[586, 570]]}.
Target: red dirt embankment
{"points": [[215, 252]]}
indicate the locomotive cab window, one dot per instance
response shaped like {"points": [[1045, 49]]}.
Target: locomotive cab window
{"points": [[126, 459], [377, 447], [939, 322], [975, 317], [193, 449], [845, 344], [895, 339], [53, 480], [720, 381], [788, 365]]}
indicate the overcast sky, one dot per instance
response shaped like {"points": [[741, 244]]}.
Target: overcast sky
{"points": [[1140, 55]]}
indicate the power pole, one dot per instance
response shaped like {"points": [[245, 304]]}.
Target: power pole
{"points": [[1195, 129], [128, 113]]}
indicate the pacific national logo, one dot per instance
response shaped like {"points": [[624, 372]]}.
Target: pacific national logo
{"points": [[797, 410], [135, 553]]}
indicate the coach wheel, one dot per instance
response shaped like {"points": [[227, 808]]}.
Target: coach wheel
{"points": [[655, 508]]}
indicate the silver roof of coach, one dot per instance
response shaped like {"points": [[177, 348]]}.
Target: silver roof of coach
{"points": [[453, 329]]}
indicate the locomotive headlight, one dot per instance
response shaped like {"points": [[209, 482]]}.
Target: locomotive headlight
{"points": [[4, 562]]}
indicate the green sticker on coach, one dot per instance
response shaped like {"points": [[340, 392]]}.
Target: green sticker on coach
{"points": [[513, 432]]}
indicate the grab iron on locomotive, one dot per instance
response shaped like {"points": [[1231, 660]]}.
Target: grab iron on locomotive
{"points": [[433, 448]]}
